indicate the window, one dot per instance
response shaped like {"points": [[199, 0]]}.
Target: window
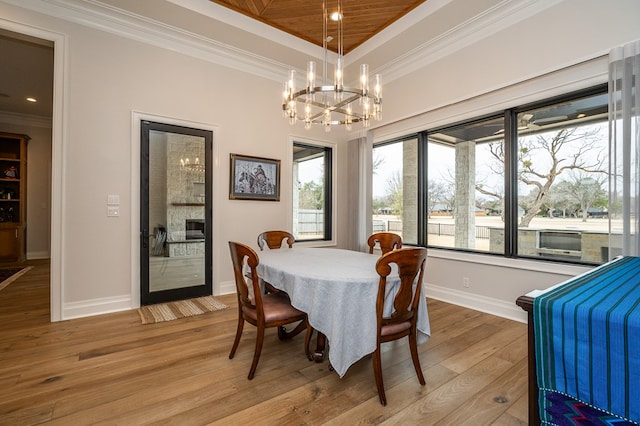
{"points": [[312, 192], [395, 189], [465, 186], [526, 182], [562, 170]]}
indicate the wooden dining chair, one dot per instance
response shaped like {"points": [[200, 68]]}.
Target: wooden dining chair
{"points": [[261, 310], [274, 239], [386, 240], [403, 320]]}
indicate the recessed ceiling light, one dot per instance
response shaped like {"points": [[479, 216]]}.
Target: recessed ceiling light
{"points": [[32, 100], [335, 16]]}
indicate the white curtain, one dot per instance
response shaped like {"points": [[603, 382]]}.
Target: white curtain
{"points": [[358, 199], [624, 150]]}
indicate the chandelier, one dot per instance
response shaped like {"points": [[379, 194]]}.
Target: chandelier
{"points": [[335, 104]]}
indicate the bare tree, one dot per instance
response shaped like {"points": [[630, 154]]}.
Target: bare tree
{"points": [[586, 191], [394, 192], [436, 194], [541, 159], [559, 198]]}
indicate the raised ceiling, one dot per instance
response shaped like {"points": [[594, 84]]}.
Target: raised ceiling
{"points": [[304, 18]]}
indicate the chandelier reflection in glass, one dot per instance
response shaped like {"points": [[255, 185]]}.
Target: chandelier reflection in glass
{"points": [[335, 104], [186, 164]]}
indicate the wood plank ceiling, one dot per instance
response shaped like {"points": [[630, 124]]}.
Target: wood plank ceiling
{"points": [[304, 18]]}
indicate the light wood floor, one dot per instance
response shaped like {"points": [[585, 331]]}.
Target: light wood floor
{"points": [[110, 369]]}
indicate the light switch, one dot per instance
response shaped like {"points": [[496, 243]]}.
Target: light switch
{"points": [[113, 211], [113, 200]]}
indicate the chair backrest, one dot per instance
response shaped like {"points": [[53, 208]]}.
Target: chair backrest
{"points": [[387, 240], [410, 262], [247, 279], [274, 239]]}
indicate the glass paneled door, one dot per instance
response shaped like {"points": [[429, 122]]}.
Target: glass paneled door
{"points": [[175, 212]]}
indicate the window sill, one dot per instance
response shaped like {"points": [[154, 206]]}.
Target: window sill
{"points": [[523, 264]]}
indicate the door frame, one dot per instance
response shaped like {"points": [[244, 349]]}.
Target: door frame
{"points": [[136, 119]]}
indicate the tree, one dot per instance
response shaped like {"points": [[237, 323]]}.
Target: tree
{"points": [[311, 196], [586, 191], [560, 199], [436, 195], [394, 192], [544, 157], [378, 160]]}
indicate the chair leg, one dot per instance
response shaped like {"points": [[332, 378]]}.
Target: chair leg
{"points": [[377, 372], [307, 342], [283, 334], [256, 354], [238, 335], [413, 347]]}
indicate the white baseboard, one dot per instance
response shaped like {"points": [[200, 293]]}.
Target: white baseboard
{"points": [[226, 287], [476, 302], [33, 255], [87, 308]]}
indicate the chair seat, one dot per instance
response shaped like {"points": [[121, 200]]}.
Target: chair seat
{"points": [[391, 329], [277, 307]]}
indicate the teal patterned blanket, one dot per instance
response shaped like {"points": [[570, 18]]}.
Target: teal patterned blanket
{"points": [[587, 339]]}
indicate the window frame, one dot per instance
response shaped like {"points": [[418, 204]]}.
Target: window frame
{"points": [[510, 176], [330, 171]]}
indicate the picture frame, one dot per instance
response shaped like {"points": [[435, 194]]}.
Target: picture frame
{"points": [[254, 178]]}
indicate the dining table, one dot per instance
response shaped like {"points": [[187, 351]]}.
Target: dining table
{"points": [[337, 289]]}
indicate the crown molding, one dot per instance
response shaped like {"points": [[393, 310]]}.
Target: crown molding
{"points": [[104, 17], [505, 14], [245, 23], [25, 120]]}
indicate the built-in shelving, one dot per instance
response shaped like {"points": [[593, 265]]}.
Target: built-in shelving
{"points": [[13, 196]]}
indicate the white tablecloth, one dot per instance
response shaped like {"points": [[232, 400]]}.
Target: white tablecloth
{"points": [[337, 289]]}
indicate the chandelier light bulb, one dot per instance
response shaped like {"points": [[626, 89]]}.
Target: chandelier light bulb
{"points": [[348, 118], [311, 76], [364, 79], [338, 79], [292, 82], [378, 87]]}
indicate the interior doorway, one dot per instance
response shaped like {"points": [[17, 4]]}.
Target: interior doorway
{"points": [[175, 212]]}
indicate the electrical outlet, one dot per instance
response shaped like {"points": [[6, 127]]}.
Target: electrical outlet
{"points": [[465, 282]]}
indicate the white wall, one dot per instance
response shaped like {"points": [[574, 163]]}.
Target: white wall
{"points": [[107, 77]]}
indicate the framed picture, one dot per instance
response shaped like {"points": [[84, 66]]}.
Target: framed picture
{"points": [[254, 178]]}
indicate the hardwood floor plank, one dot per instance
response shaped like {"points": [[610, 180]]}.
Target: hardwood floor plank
{"points": [[452, 395], [399, 397], [475, 353], [111, 369], [488, 404]]}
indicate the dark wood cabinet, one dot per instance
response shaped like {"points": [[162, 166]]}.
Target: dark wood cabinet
{"points": [[13, 196]]}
